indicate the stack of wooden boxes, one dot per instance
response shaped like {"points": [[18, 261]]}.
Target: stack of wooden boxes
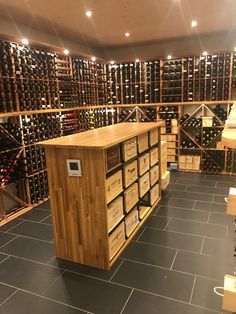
{"points": [[189, 162], [165, 174]]}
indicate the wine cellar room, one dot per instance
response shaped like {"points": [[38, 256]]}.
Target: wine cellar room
{"points": [[118, 157]]}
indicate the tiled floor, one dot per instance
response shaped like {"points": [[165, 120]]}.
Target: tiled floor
{"points": [[171, 267]]}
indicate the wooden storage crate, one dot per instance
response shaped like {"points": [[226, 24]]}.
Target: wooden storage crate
{"points": [[154, 174], [129, 149], [116, 240], [115, 212], [142, 142], [144, 184], [153, 137], [130, 173], [113, 157], [114, 186], [154, 156], [131, 221], [143, 163], [229, 299], [143, 210], [154, 193], [131, 197]]}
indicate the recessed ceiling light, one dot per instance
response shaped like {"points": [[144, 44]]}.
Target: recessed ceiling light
{"points": [[136, 60], [93, 59], [204, 53], [127, 34], [25, 41], [88, 13], [66, 52], [112, 62], [169, 57], [194, 23]]}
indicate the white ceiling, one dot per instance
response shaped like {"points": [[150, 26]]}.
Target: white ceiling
{"points": [[147, 21]]}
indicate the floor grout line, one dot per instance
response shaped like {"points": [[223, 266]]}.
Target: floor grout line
{"points": [[20, 222], [167, 223], [194, 283], [208, 219], [25, 236], [141, 234], [203, 242], [127, 301], [9, 297], [41, 221], [54, 281], [116, 271], [17, 236], [172, 264]]}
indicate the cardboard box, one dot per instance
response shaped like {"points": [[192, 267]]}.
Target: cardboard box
{"points": [[114, 212], [116, 240], [229, 299], [130, 173], [114, 186]]}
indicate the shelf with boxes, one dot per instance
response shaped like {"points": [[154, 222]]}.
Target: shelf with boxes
{"points": [[126, 175]]}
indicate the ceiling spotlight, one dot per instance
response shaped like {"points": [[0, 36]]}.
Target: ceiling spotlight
{"points": [[93, 59], [88, 13], [127, 34], [112, 62], [25, 41], [169, 57], [66, 52], [136, 60], [194, 23], [204, 53]]}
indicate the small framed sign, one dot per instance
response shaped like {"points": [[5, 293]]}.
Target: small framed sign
{"points": [[74, 168]]}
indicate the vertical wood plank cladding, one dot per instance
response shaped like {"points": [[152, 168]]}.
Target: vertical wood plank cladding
{"points": [[78, 206]]}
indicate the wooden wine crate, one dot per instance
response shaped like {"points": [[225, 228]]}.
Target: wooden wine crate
{"points": [[174, 122], [114, 212], [170, 158], [154, 156], [131, 197], [171, 137], [143, 210], [131, 221], [154, 193], [130, 173], [171, 145], [116, 240], [142, 142], [143, 163], [174, 129], [114, 186], [165, 179], [153, 137], [129, 149], [229, 299], [112, 157], [154, 175], [144, 184], [171, 151]]}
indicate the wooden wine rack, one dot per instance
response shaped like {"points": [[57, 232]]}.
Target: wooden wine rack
{"points": [[86, 95]]}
